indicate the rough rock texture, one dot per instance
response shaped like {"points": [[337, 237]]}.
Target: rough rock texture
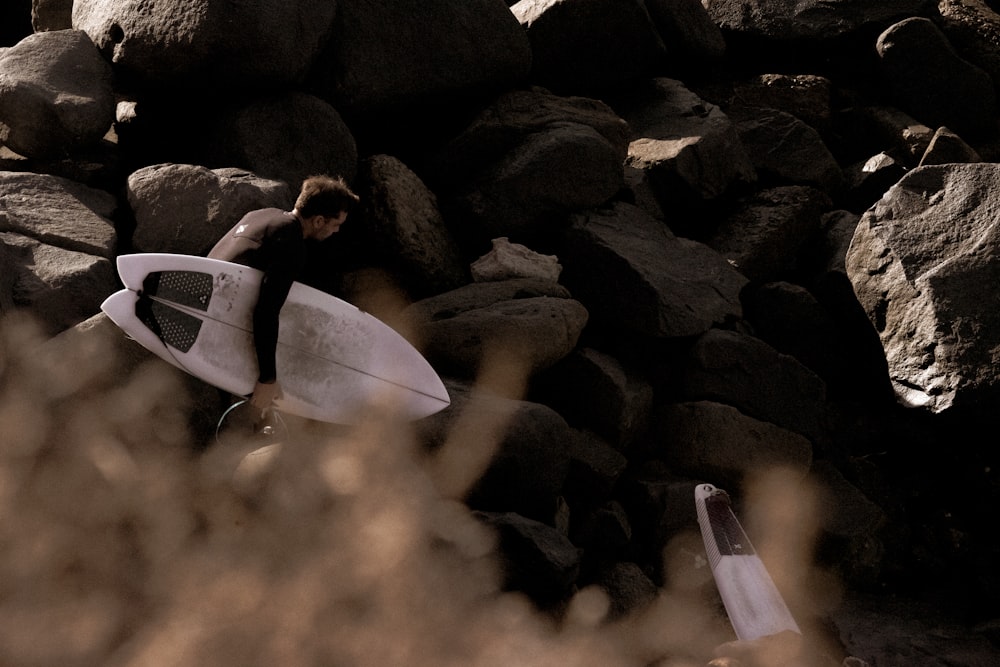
{"points": [[56, 94], [917, 262], [191, 43], [185, 208]]}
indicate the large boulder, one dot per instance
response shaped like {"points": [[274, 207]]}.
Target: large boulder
{"points": [[210, 45], [405, 228], [59, 287], [56, 94], [764, 236], [286, 137], [750, 375], [585, 46], [713, 441], [186, 208], [59, 212], [528, 324], [793, 20], [926, 76], [524, 163], [688, 147], [387, 58], [923, 262], [632, 273]]}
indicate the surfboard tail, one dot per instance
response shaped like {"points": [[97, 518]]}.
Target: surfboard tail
{"points": [[752, 601]]}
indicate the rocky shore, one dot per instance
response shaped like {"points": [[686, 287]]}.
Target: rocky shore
{"points": [[646, 243]]}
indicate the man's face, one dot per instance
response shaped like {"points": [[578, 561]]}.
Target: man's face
{"points": [[325, 227]]}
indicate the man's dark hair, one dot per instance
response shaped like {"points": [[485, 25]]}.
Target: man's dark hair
{"points": [[326, 196]]}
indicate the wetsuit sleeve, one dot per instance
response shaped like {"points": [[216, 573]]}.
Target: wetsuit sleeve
{"points": [[279, 274]]}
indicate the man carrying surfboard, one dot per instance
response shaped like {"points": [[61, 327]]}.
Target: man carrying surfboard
{"points": [[274, 241]]}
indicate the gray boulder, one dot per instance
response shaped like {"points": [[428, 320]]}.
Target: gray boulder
{"points": [[764, 236], [973, 28], [485, 323], [947, 147], [209, 45], [537, 559], [59, 287], [790, 20], [58, 212], [692, 41], [508, 260], [186, 208], [805, 96], [285, 137], [919, 261], [929, 80], [688, 147], [675, 287], [594, 391], [784, 149], [525, 162], [750, 375], [55, 94], [387, 58], [402, 221], [713, 441], [583, 47]]}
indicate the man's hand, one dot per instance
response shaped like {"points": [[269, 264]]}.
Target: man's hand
{"points": [[264, 395]]}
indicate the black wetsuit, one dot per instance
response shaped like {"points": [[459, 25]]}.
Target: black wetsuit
{"points": [[270, 240]]}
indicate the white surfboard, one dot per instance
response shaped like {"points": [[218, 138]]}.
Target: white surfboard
{"points": [[333, 359], [753, 603]]}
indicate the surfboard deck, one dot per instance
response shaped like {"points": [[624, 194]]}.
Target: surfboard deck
{"points": [[752, 601], [333, 359]]}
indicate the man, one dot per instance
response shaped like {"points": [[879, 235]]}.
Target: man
{"points": [[274, 241]]}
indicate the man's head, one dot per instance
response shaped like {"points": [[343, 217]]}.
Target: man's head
{"points": [[323, 204]]}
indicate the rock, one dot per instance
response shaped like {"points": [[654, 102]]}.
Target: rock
{"points": [[764, 236], [529, 332], [880, 630], [60, 287], [384, 60], [276, 137], [712, 441], [581, 49], [805, 96], [524, 163], [593, 390], [917, 262], [693, 43], [539, 560], [186, 208], [58, 212], [512, 260], [973, 28], [688, 147], [728, 367], [259, 45], [402, 221], [792, 321], [925, 75], [55, 94], [946, 147], [675, 286], [499, 453], [783, 149], [628, 588], [788, 21], [868, 181]]}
